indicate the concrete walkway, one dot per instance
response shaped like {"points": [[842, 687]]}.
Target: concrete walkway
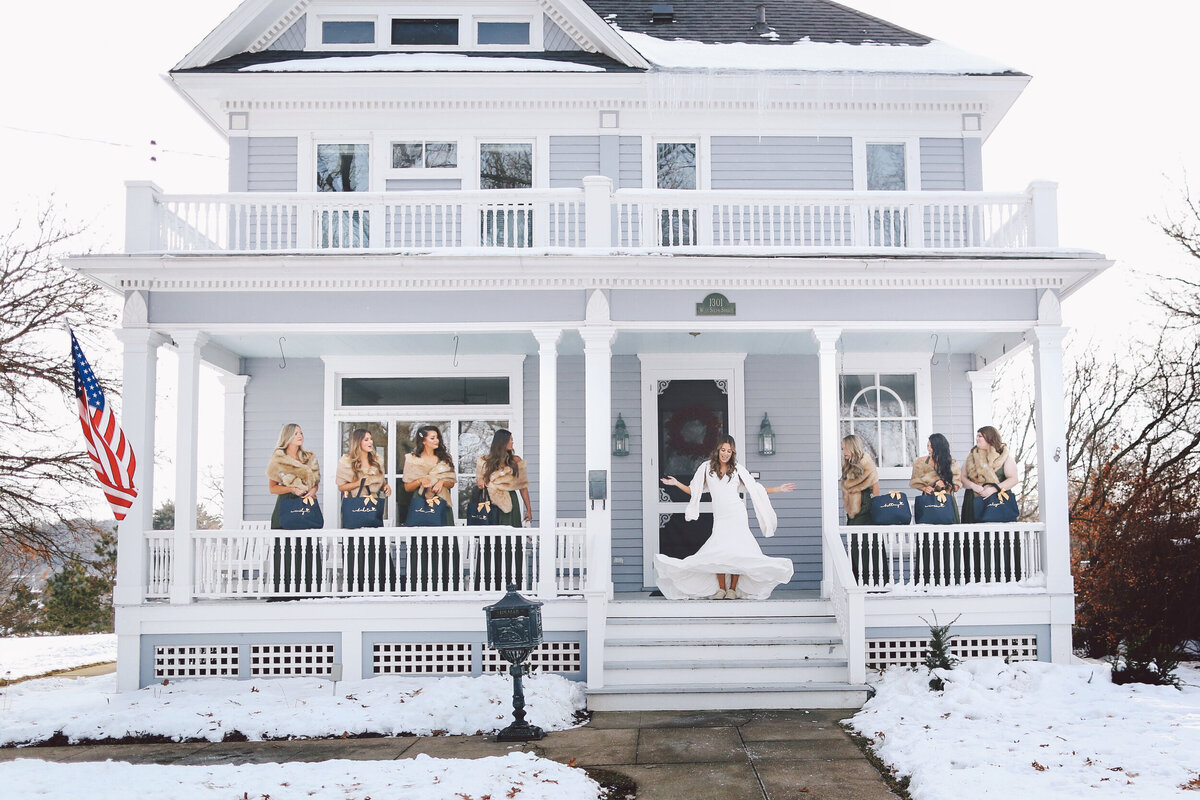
{"points": [[671, 755]]}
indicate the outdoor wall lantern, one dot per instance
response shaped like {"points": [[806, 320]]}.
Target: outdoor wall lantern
{"points": [[620, 438], [514, 627], [766, 437]]}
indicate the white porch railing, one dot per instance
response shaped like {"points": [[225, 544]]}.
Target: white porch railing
{"points": [[933, 556], [849, 607], [557, 218], [369, 562]]}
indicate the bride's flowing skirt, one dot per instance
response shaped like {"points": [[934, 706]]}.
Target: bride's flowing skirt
{"points": [[732, 549]]}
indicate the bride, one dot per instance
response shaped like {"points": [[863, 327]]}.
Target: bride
{"points": [[731, 550]]}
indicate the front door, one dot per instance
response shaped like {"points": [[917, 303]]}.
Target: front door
{"points": [[687, 401]]}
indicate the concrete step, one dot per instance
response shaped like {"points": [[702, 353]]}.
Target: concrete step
{"points": [[749, 650], [678, 673], [712, 628], [726, 696], [684, 609]]}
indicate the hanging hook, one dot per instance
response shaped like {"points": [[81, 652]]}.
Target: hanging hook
{"points": [[456, 349], [934, 336], [282, 357]]}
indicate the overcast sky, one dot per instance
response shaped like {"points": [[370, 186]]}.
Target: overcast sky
{"points": [[1110, 114]]}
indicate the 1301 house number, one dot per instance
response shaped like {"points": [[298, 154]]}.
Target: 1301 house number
{"points": [[716, 305]]}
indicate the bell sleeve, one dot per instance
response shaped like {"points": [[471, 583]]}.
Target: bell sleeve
{"points": [[767, 519], [692, 513]]}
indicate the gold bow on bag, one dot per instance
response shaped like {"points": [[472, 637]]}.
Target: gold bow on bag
{"points": [[940, 495], [1003, 495], [895, 495], [308, 501], [484, 505], [434, 501], [370, 500]]}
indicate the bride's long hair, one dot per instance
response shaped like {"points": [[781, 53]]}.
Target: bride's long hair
{"points": [[714, 460]]}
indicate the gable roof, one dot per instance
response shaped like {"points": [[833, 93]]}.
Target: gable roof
{"points": [[725, 21]]}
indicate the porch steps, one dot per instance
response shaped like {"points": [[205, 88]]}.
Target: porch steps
{"points": [[721, 654]]}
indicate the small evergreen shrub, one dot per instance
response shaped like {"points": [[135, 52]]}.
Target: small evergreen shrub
{"points": [[937, 656]]}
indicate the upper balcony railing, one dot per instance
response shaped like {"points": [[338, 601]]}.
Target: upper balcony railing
{"points": [[593, 216]]}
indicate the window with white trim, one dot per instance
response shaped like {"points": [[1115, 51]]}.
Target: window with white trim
{"points": [[424, 155], [347, 31], [502, 33], [886, 401]]}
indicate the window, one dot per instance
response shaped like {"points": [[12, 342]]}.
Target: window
{"points": [[414, 32], [424, 391], [506, 166], [676, 165], [502, 33], [348, 32], [890, 408], [342, 167], [424, 155], [885, 168]]}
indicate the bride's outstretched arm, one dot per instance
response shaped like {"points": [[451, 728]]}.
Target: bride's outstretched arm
{"points": [[671, 480]]}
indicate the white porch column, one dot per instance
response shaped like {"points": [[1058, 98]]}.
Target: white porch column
{"points": [[1052, 483], [547, 494], [830, 448], [140, 371], [597, 354], [981, 398], [233, 489], [186, 429]]}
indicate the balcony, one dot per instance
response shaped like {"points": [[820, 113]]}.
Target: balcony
{"points": [[593, 217]]}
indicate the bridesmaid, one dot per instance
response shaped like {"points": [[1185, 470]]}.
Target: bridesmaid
{"points": [[938, 471], [860, 481], [502, 474], [293, 470], [429, 474], [990, 461]]}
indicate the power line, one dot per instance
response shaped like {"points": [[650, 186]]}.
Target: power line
{"points": [[153, 143]]}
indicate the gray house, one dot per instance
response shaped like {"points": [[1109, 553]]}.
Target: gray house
{"points": [[615, 229]]}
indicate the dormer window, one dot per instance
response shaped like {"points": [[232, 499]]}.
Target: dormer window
{"points": [[348, 32], [502, 33], [425, 32]]}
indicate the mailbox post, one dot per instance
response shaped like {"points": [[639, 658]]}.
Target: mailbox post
{"points": [[514, 627]]}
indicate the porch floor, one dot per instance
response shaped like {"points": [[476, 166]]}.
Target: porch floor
{"points": [[778, 596]]}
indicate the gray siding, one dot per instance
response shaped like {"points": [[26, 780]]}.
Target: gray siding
{"points": [[572, 158], [782, 162], [239, 163], [627, 477], [973, 164], [294, 38], [275, 397], [555, 38], [570, 434], [942, 165], [630, 163], [423, 184], [785, 387], [271, 164], [952, 415]]}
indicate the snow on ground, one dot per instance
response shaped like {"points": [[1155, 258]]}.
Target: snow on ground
{"points": [[520, 775], [21, 656], [809, 56], [207, 709], [1035, 730]]}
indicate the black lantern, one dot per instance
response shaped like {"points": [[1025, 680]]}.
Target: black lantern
{"points": [[620, 438], [514, 627], [766, 437]]}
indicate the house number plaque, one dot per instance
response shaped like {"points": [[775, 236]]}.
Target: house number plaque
{"points": [[716, 305]]}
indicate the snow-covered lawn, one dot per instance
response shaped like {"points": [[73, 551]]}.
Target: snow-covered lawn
{"points": [[21, 656], [1034, 730], [519, 775], [208, 709]]}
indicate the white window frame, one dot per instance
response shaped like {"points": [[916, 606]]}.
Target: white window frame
{"points": [[353, 139], [535, 32], [338, 368], [912, 160], [650, 159], [314, 32], [916, 364], [422, 171], [539, 170]]}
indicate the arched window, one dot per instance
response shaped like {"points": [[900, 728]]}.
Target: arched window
{"points": [[882, 410]]}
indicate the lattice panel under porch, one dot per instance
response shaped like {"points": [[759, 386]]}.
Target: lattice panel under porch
{"points": [[422, 658], [907, 652], [560, 657], [290, 660], [196, 661]]}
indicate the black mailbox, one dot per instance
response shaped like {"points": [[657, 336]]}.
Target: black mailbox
{"points": [[514, 627]]}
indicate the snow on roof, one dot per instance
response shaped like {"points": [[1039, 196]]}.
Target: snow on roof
{"points": [[421, 62], [809, 56]]}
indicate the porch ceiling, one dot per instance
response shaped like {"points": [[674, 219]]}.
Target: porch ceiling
{"points": [[314, 345]]}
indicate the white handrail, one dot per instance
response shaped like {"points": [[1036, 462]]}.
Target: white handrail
{"points": [[849, 607], [557, 218]]}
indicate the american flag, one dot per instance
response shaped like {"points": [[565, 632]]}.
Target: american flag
{"points": [[112, 456]]}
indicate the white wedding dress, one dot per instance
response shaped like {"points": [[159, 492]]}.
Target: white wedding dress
{"points": [[731, 549]]}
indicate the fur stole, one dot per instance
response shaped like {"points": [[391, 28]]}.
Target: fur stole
{"points": [[348, 471], [501, 482], [855, 478], [924, 474], [288, 471], [415, 469], [982, 467]]}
